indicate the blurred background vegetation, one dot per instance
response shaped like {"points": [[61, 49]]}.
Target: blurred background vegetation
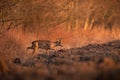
{"points": [[33, 15]]}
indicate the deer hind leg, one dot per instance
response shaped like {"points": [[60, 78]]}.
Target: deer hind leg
{"points": [[3, 66], [35, 48]]}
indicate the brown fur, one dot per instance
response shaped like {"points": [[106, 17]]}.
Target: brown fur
{"points": [[44, 44]]}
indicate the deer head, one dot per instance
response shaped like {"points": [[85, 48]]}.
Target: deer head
{"points": [[58, 42]]}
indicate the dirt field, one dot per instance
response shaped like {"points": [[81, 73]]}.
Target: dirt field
{"points": [[91, 62]]}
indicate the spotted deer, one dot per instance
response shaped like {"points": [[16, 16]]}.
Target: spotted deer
{"points": [[44, 44]]}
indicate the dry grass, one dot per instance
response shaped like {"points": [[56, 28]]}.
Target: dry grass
{"points": [[75, 38], [15, 41], [4, 69]]}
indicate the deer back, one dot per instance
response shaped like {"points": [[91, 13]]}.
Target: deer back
{"points": [[43, 44]]}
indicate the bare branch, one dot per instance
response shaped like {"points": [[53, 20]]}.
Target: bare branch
{"points": [[9, 26]]}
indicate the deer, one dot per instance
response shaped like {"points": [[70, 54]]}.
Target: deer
{"points": [[44, 44]]}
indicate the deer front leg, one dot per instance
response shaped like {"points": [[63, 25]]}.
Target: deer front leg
{"points": [[47, 52]]}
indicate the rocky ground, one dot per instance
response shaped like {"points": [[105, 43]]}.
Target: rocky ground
{"points": [[91, 62]]}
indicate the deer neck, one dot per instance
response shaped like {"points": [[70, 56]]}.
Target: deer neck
{"points": [[53, 45]]}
